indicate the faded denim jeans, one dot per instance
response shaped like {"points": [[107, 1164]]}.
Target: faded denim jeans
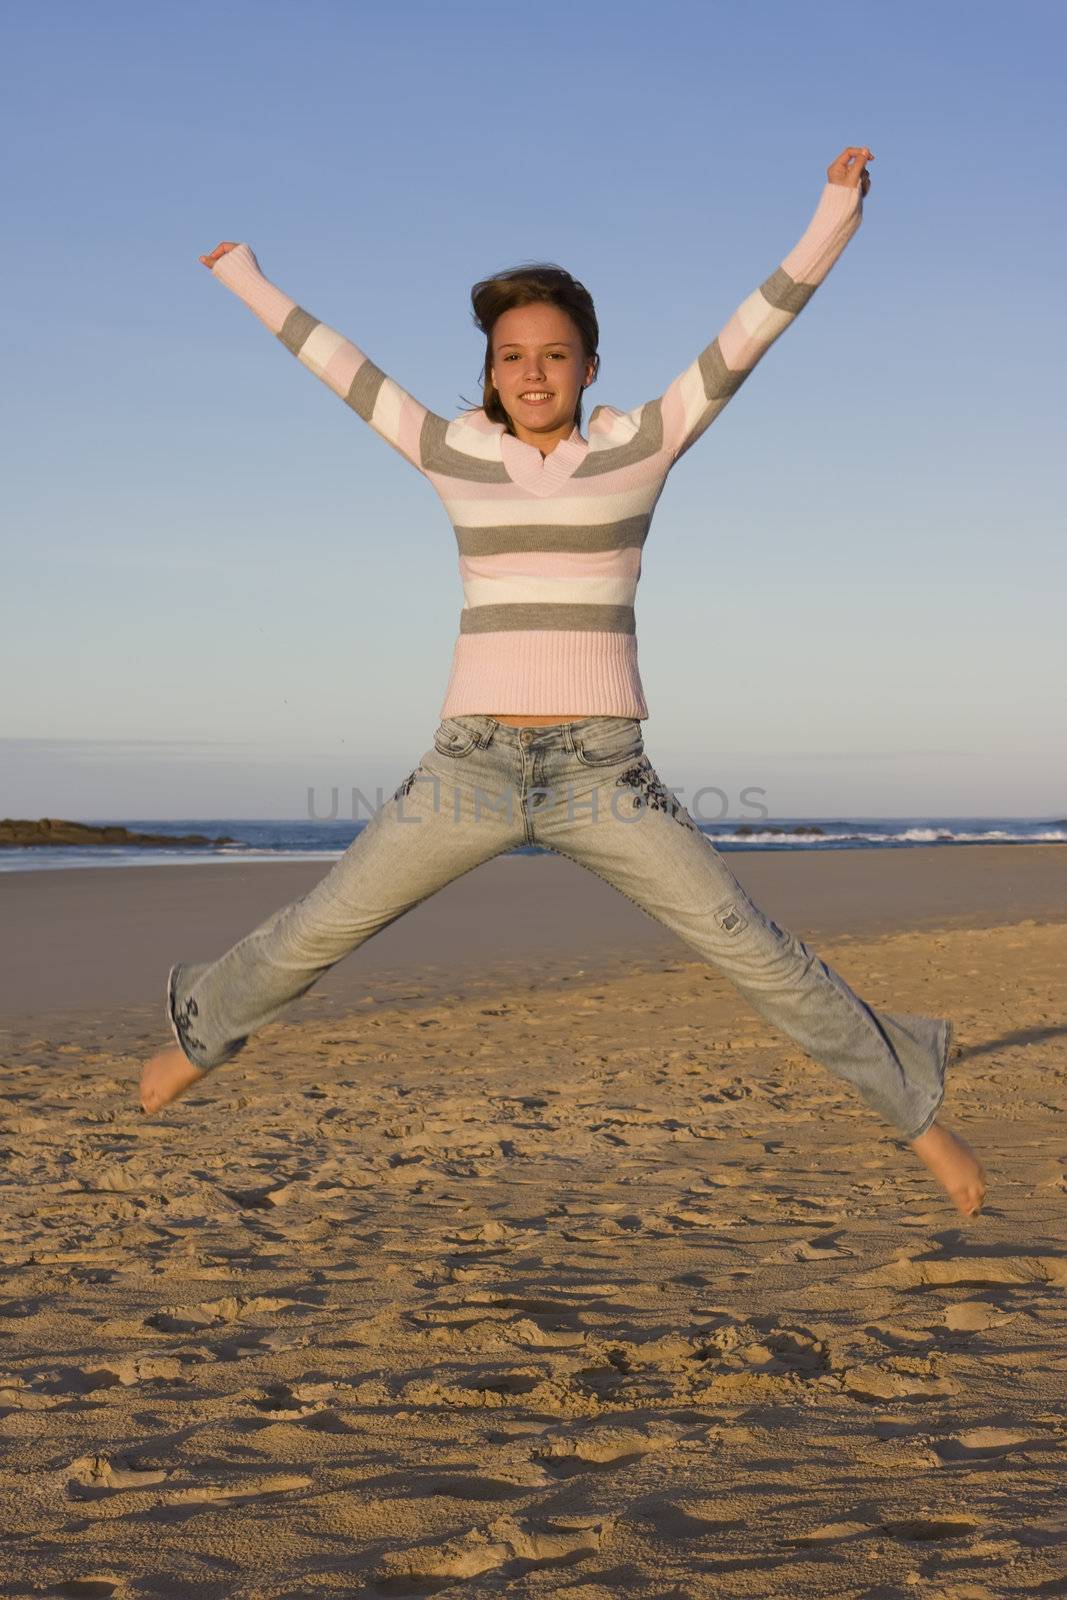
{"points": [[586, 790]]}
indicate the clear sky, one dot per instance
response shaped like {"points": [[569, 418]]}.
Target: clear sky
{"points": [[221, 588]]}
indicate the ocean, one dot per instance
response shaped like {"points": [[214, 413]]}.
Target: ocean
{"points": [[305, 840]]}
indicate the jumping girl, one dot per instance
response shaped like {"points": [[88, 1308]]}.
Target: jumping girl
{"points": [[540, 740]]}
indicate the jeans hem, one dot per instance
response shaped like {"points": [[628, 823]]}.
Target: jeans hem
{"points": [[181, 1021], [928, 1120]]}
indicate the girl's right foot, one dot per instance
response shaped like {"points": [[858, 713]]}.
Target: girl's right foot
{"points": [[954, 1165], [165, 1077]]}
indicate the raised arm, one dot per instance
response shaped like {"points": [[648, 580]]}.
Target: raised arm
{"points": [[341, 365], [695, 398]]}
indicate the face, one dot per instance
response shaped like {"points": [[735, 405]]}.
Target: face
{"points": [[539, 370]]}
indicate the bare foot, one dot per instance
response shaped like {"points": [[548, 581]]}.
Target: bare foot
{"points": [[165, 1077], [954, 1165]]}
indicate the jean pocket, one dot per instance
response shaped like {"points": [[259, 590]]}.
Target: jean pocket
{"points": [[613, 740], [454, 738]]}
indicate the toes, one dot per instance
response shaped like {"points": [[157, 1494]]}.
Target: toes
{"points": [[970, 1203]]}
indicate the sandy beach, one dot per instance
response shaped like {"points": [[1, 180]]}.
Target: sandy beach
{"points": [[522, 1258]]}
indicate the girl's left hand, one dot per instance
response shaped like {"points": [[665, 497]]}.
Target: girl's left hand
{"points": [[850, 168]]}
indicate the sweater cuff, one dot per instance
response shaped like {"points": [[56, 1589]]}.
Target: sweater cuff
{"points": [[237, 265], [837, 216], [840, 208], [239, 270]]}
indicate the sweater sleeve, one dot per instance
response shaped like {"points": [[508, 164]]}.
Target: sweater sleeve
{"points": [[695, 398], [341, 365]]}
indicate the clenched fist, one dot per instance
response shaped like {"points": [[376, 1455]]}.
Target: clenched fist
{"points": [[219, 250], [850, 168]]}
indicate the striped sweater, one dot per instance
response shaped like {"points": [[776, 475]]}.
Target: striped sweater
{"points": [[550, 547]]}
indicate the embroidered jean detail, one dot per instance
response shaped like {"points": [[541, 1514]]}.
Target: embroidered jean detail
{"points": [[731, 920], [651, 792], [405, 787], [182, 1016]]}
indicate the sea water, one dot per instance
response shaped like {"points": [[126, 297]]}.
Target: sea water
{"points": [[304, 840]]}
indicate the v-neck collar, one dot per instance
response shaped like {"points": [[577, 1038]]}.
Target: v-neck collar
{"points": [[526, 466]]}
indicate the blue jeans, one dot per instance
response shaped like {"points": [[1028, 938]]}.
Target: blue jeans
{"points": [[586, 790]]}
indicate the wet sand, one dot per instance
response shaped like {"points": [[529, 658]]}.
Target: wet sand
{"points": [[98, 937]]}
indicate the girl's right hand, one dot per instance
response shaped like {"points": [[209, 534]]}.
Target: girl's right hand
{"points": [[219, 251]]}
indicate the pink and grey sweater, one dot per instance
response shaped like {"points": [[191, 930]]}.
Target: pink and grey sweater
{"points": [[550, 547]]}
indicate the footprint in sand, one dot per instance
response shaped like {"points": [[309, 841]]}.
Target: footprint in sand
{"points": [[597, 1449], [689, 1216], [825, 1248], [981, 1270], [250, 1489], [974, 1316], [508, 1383], [557, 1314], [896, 1338], [978, 1444], [468, 1486], [91, 1477], [928, 1529], [666, 1519], [185, 1319], [491, 1232], [545, 1394], [131, 1370], [285, 1401], [877, 1384], [15, 1309], [254, 1343], [832, 1533], [521, 1547], [266, 1197], [763, 1345], [15, 1396], [486, 1321]]}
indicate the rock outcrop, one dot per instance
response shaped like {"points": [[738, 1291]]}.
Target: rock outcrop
{"points": [[55, 831], [746, 828]]}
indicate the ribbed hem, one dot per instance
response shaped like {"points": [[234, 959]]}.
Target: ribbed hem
{"points": [[539, 673], [239, 270], [837, 216]]}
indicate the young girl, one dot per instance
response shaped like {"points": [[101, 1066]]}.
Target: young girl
{"points": [[540, 740]]}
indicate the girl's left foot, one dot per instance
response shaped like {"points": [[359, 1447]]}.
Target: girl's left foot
{"points": [[165, 1077], [954, 1165]]}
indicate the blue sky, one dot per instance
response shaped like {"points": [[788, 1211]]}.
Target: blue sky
{"points": [[221, 588]]}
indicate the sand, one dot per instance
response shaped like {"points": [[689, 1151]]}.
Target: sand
{"points": [[587, 1283]]}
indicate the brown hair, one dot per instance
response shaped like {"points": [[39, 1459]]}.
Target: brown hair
{"points": [[537, 281]]}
